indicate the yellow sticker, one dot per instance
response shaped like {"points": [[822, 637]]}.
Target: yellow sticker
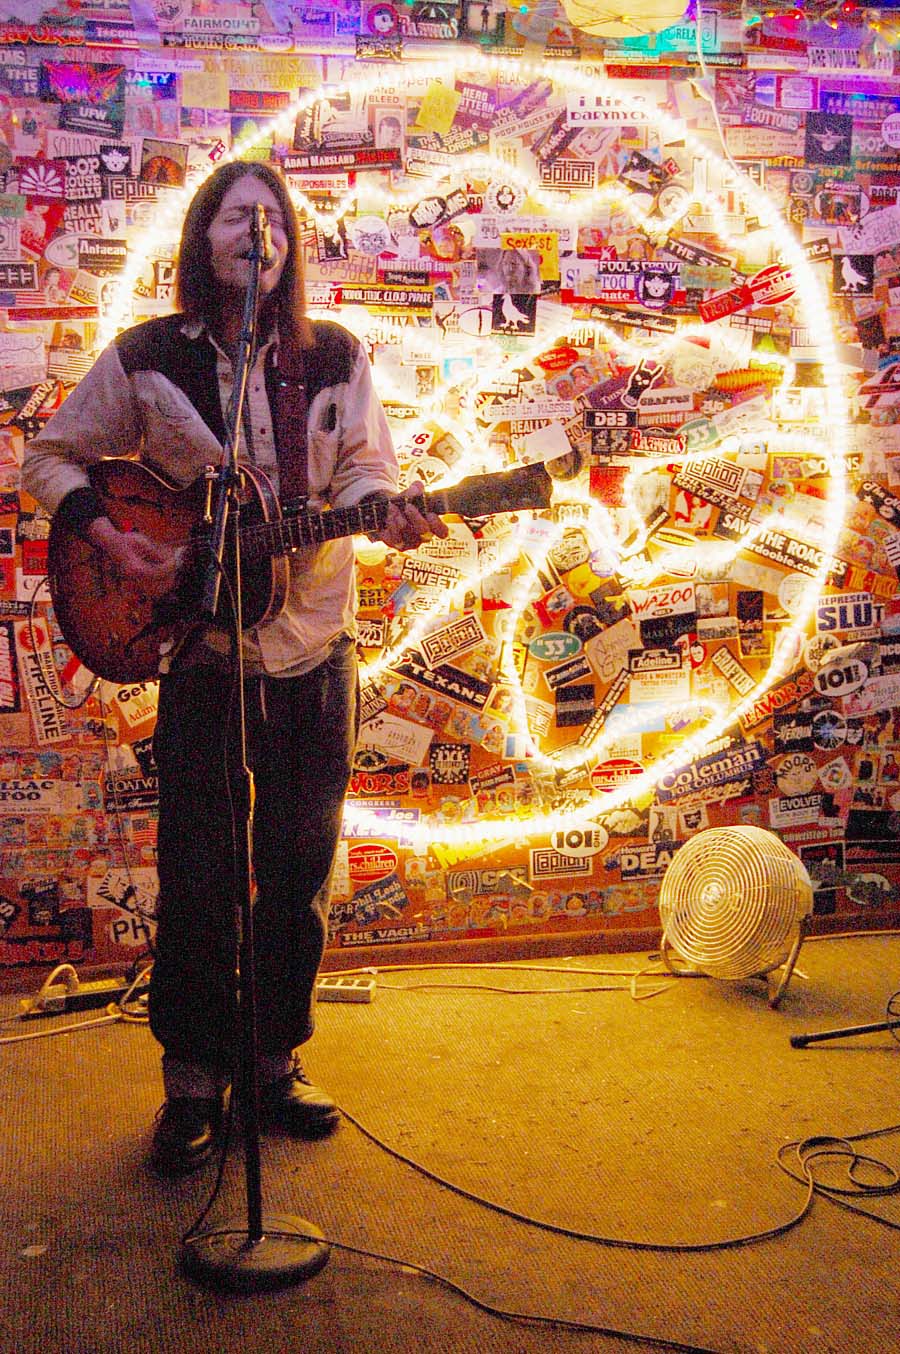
{"points": [[438, 109], [204, 89], [545, 243]]}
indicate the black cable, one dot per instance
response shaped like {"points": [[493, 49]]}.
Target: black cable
{"points": [[504, 1313], [558, 1229], [193, 1228], [831, 1149]]}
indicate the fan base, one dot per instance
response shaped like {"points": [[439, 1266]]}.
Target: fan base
{"points": [[776, 979]]}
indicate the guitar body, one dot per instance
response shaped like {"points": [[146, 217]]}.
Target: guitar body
{"points": [[113, 626], [120, 633]]}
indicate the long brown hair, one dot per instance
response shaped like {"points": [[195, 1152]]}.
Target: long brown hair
{"points": [[196, 286]]}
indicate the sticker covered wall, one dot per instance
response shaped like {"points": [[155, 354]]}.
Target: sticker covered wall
{"points": [[666, 269]]}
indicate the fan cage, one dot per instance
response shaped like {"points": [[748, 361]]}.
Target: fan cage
{"points": [[733, 901]]}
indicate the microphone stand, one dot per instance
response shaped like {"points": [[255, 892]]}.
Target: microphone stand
{"points": [[263, 1252]]}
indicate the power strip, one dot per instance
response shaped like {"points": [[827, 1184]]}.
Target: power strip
{"points": [[334, 987], [57, 999]]}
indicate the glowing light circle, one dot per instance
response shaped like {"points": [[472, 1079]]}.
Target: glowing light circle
{"points": [[610, 196]]}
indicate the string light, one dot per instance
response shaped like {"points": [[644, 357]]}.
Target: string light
{"points": [[821, 11]]}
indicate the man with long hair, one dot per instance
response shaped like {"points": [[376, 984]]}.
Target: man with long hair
{"points": [[160, 390]]}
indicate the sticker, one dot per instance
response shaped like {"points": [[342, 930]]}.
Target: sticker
{"points": [[368, 861], [514, 313], [792, 691], [548, 864], [453, 640], [124, 791], [836, 774], [574, 704], [730, 766], [643, 861], [583, 622], [570, 671], [724, 661], [369, 235], [554, 646], [429, 574], [890, 131], [655, 288], [445, 680], [448, 764], [39, 680], [854, 274], [398, 738], [614, 773], [666, 600], [503, 198], [828, 138], [382, 20], [580, 841], [796, 774], [849, 612], [794, 810], [841, 677]]}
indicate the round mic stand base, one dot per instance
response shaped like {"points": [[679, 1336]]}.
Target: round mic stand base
{"points": [[290, 1250]]}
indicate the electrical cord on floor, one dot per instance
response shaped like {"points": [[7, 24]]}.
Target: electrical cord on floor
{"points": [[542, 991], [505, 991], [807, 1152], [834, 1149], [108, 1019], [126, 1008], [504, 1313], [574, 1234], [633, 976], [806, 1177], [224, 1146]]}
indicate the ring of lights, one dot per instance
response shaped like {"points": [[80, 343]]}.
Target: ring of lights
{"points": [[722, 176]]}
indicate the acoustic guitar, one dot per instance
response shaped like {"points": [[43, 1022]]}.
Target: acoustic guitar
{"points": [[120, 633]]}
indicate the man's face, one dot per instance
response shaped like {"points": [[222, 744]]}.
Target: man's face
{"points": [[230, 238]]}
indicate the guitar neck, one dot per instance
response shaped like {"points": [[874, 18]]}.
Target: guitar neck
{"points": [[293, 531], [523, 488]]}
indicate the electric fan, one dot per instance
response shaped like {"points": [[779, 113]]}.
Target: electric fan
{"points": [[734, 904]]}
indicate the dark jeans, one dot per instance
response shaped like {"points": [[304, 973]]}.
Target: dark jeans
{"points": [[300, 735]]}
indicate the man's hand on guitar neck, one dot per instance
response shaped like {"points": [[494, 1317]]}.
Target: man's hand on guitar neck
{"points": [[407, 524], [152, 566]]}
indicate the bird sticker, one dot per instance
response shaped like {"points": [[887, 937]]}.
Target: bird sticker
{"points": [[829, 138], [827, 141], [854, 274], [514, 313]]}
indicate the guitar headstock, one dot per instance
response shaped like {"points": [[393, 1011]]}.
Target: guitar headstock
{"points": [[526, 488]]}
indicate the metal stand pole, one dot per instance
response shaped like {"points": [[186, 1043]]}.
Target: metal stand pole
{"points": [[801, 1040], [263, 1251]]}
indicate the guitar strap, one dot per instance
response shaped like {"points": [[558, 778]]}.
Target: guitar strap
{"points": [[290, 422]]}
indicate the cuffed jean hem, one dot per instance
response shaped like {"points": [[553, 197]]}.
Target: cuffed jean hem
{"points": [[192, 1081]]}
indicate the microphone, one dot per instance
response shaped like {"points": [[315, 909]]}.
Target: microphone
{"points": [[261, 235]]}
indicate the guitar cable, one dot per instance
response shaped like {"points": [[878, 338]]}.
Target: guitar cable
{"points": [[51, 678]]}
